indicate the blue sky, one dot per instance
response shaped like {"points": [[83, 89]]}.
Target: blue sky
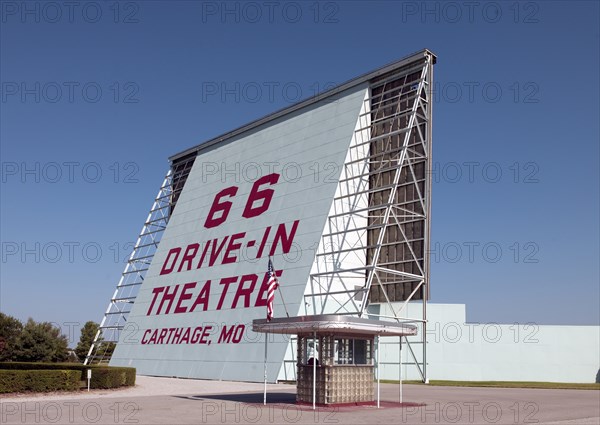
{"points": [[96, 97]]}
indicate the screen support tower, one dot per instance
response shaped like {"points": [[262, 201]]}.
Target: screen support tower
{"points": [[373, 254], [119, 307]]}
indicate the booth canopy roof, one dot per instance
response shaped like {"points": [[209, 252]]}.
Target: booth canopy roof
{"points": [[332, 324]]}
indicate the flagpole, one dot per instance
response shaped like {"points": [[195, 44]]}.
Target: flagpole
{"points": [[269, 315], [284, 306], [265, 394], [281, 295]]}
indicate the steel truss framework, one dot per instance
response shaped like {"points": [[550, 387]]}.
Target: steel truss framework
{"points": [[119, 307], [375, 243]]}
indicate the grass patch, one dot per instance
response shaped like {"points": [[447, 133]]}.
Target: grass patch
{"points": [[505, 384]]}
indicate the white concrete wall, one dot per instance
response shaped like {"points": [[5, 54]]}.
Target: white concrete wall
{"points": [[462, 351], [458, 350]]}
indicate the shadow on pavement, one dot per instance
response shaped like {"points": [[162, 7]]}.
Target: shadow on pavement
{"points": [[252, 398]]}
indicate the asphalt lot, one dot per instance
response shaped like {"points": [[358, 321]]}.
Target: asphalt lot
{"points": [[182, 401]]}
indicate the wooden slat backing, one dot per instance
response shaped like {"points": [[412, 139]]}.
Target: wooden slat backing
{"points": [[391, 103], [181, 169]]}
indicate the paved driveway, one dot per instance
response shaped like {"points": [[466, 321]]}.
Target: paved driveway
{"points": [[182, 401]]}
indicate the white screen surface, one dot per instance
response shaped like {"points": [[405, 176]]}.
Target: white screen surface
{"points": [[267, 191]]}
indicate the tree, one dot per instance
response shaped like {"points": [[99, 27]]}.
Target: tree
{"points": [[40, 342], [103, 349], [72, 357], [88, 333], [106, 350], [10, 328]]}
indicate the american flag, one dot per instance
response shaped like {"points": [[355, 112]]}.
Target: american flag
{"points": [[272, 285]]}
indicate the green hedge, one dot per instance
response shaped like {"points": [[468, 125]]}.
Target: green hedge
{"points": [[38, 380], [102, 376]]}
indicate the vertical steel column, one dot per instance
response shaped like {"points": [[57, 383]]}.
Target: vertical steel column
{"points": [[314, 369], [378, 373], [400, 364], [427, 265]]}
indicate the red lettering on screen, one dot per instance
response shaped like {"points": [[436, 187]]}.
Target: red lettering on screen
{"points": [[244, 292], [257, 194], [284, 238], [225, 281], [165, 297], [214, 254], [218, 206], [229, 249], [232, 247], [190, 253], [233, 334], [202, 297], [155, 291], [163, 334], [165, 268], [197, 335], [263, 242], [184, 297], [168, 297], [204, 251], [186, 337]]}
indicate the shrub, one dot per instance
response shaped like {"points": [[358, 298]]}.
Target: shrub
{"points": [[38, 380], [102, 376]]}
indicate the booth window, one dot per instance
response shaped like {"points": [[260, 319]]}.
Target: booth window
{"points": [[307, 352], [353, 351], [329, 350]]}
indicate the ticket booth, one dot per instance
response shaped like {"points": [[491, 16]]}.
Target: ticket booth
{"points": [[336, 355], [345, 369]]}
